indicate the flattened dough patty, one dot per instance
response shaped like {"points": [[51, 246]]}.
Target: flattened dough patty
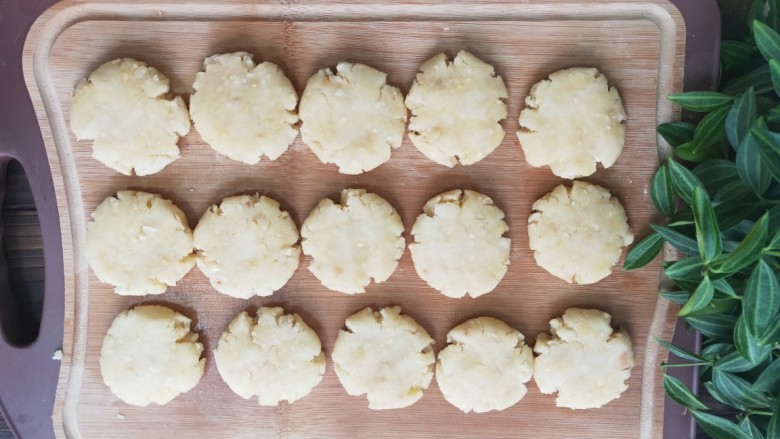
{"points": [[274, 356], [139, 243], [149, 356], [352, 118], [385, 355], [571, 122], [456, 109], [584, 360], [244, 111], [352, 242], [247, 246], [578, 234], [124, 108], [485, 366], [459, 246]]}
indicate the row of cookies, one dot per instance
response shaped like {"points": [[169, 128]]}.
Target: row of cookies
{"points": [[349, 117], [247, 245], [149, 355]]}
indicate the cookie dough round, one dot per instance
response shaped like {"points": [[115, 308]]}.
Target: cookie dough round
{"points": [[352, 242], [584, 360], [274, 356], [571, 122], [247, 246], [352, 118], [485, 366], [459, 246], [244, 111], [456, 109], [578, 234], [139, 243], [125, 109], [385, 355], [149, 356]]}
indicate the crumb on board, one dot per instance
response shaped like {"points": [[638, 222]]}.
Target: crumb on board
{"points": [[57, 355], [120, 416]]}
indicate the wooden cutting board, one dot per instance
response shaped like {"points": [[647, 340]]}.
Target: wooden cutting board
{"points": [[639, 45]]}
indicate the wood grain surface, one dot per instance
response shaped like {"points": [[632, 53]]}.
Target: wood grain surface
{"points": [[638, 45]]}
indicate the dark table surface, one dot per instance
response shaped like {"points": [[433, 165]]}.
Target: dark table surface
{"points": [[21, 237]]}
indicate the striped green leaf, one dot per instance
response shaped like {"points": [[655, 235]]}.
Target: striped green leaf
{"points": [[767, 40], [689, 269], [714, 174], [735, 54], [676, 133], [680, 352], [751, 168], [707, 231], [678, 297], [677, 239], [748, 250], [681, 394], [747, 344], [711, 128], [662, 191], [759, 78], [740, 117], [717, 427], [761, 301], [701, 101], [769, 147], [700, 298], [684, 181], [719, 327], [739, 389], [643, 252], [734, 363], [769, 380]]}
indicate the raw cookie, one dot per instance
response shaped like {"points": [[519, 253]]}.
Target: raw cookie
{"points": [[352, 242], [149, 355], [485, 366], [352, 118], [459, 246], [274, 356], [384, 355], [584, 360], [125, 109], [139, 243], [247, 246], [244, 111], [578, 234], [572, 121], [456, 109]]}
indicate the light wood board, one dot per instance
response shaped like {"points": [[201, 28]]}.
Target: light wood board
{"points": [[639, 45]]}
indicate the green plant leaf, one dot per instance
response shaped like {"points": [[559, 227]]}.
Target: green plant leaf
{"points": [[678, 297], [684, 181], [774, 70], [700, 298], [690, 269], [717, 306], [707, 231], [767, 40], [680, 394], [750, 165], [759, 78], [662, 191], [736, 53], [772, 333], [747, 344], [676, 133], [740, 118], [680, 352], [750, 429], [748, 250], [769, 147], [769, 380], [739, 389], [715, 173], [677, 239], [773, 115], [717, 427], [719, 327], [773, 430], [700, 101], [774, 244], [711, 128], [730, 213], [688, 152], [643, 252], [712, 390], [734, 362], [715, 351], [724, 286], [761, 301]]}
